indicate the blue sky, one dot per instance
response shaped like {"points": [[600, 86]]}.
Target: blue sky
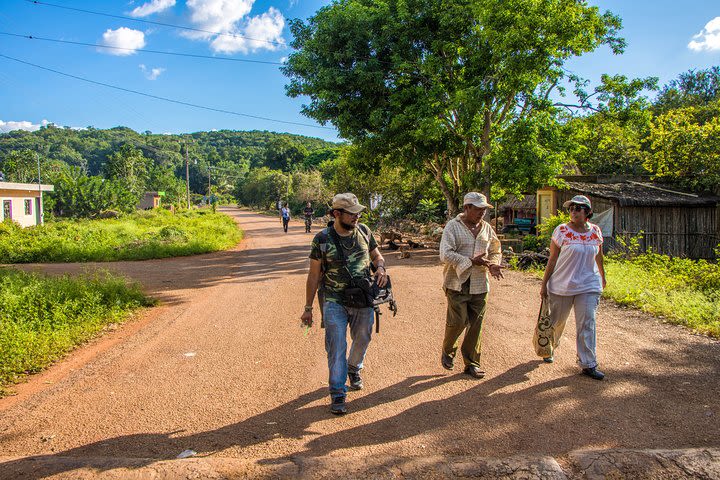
{"points": [[664, 38]]}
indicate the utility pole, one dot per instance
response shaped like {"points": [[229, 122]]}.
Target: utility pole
{"points": [[208, 194], [41, 214], [187, 175]]}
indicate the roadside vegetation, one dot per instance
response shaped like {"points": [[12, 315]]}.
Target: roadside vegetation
{"points": [[138, 236], [44, 318], [680, 290]]}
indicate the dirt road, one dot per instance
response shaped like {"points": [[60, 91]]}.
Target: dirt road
{"points": [[224, 368]]}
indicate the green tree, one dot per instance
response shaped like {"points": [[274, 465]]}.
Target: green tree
{"points": [[613, 139], [284, 154], [685, 146], [605, 145], [437, 83], [263, 187], [692, 88], [308, 187], [130, 166], [77, 195], [162, 179], [19, 166]]}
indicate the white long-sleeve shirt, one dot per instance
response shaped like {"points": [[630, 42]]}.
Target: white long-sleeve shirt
{"points": [[458, 246]]}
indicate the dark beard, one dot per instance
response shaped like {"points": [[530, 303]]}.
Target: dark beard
{"points": [[347, 226]]}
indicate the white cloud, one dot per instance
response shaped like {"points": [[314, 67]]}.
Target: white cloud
{"points": [[22, 125], [123, 38], [238, 32], [153, 6], [216, 15], [152, 73], [708, 38], [259, 32]]}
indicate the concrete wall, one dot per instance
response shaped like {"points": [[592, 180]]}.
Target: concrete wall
{"points": [[17, 207]]}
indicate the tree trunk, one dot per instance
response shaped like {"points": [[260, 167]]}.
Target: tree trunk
{"points": [[435, 167]]}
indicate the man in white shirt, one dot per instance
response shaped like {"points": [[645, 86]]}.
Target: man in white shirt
{"points": [[470, 250]]}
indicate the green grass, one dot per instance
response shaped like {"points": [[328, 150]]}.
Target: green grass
{"points": [[43, 318], [682, 291], [139, 236]]}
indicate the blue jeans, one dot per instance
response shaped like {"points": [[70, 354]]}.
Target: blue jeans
{"points": [[337, 319]]}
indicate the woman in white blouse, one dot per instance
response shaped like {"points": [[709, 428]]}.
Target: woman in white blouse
{"points": [[574, 279]]}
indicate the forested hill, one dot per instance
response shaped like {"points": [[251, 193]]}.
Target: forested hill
{"points": [[89, 149]]}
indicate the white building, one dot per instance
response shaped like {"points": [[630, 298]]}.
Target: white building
{"points": [[21, 203]]}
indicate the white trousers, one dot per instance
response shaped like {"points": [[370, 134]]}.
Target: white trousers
{"points": [[585, 306]]}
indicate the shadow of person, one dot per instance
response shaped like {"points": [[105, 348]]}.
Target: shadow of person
{"points": [[290, 420], [424, 417]]}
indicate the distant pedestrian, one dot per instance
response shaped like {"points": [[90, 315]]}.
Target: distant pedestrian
{"points": [[308, 212], [574, 279], [470, 250], [285, 216]]}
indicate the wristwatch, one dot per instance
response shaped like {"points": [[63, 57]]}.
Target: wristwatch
{"points": [[308, 308]]}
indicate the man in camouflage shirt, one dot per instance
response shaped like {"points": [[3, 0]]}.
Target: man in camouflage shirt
{"points": [[327, 271]]}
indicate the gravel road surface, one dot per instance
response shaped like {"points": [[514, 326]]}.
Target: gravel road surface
{"points": [[223, 368]]}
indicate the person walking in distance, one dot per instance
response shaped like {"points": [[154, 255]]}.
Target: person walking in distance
{"points": [[285, 216], [574, 279], [340, 262], [470, 250], [308, 212]]}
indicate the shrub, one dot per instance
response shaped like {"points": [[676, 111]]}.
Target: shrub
{"points": [[140, 236], [532, 243], [547, 227], [42, 318]]}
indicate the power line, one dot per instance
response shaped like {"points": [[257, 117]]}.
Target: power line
{"points": [[179, 102], [132, 19], [33, 37]]}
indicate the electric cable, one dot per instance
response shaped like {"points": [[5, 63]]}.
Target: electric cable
{"points": [[157, 97], [209, 57], [132, 19]]}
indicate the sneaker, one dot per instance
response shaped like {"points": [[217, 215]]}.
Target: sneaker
{"points": [[356, 382], [338, 406], [474, 371], [593, 373], [549, 359], [447, 361]]}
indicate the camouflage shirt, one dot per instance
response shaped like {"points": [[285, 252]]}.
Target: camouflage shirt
{"points": [[357, 248]]}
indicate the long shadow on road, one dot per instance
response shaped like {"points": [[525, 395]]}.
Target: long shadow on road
{"points": [[496, 416]]}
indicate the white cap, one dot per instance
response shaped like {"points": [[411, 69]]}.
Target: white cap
{"points": [[477, 199]]}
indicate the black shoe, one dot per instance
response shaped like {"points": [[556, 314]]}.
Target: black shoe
{"points": [[338, 406], [593, 373], [474, 371], [356, 382], [447, 361]]}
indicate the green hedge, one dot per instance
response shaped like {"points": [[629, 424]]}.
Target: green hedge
{"points": [[43, 318], [139, 236]]}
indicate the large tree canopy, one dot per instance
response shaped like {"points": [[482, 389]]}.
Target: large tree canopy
{"points": [[441, 82]]}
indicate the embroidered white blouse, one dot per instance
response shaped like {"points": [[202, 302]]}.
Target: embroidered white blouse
{"points": [[576, 271]]}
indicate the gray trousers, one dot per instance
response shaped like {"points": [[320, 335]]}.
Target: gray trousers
{"points": [[585, 306]]}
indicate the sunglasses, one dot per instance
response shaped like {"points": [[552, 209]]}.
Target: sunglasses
{"points": [[350, 213], [578, 208]]}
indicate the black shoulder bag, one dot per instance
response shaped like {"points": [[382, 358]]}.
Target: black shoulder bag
{"points": [[358, 294], [364, 292]]}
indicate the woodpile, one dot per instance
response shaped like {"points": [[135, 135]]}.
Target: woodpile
{"points": [[529, 259]]}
